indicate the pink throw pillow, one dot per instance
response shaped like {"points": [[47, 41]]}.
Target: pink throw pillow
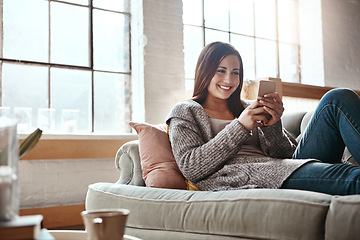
{"points": [[157, 160]]}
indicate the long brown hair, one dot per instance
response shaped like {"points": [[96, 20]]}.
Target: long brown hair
{"points": [[208, 62]]}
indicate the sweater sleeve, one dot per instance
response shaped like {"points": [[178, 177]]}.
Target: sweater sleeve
{"points": [[276, 142], [198, 158]]}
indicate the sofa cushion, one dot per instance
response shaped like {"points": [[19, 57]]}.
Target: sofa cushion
{"points": [[253, 213], [157, 161], [292, 121], [343, 215]]}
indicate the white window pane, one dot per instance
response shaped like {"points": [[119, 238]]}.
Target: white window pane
{"points": [[189, 85], [115, 5], [24, 117], [71, 98], [112, 103], [266, 63], [24, 89], [24, 85], [242, 17], [213, 36], [46, 119], [82, 2], [245, 46], [111, 41], [216, 14], [192, 12], [26, 30], [265, 19], [193, 44], [289, 63], [288, 21], [70, 34]]}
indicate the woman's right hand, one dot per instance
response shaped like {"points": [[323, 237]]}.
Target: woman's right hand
{"points": [[254, 116]]}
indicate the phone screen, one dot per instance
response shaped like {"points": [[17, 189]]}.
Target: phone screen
{"points": [[266, 87]]}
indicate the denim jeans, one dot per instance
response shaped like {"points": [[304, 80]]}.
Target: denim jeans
{"points": [[334, 125]]}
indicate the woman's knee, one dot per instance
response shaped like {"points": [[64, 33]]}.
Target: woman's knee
{"points": [[345, 95], [353, 186]]}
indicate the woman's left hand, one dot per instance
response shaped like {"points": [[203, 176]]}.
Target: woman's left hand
{"points": [[273, 105]]}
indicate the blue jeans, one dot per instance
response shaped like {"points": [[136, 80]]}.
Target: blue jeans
{"points": [[334, 125]]}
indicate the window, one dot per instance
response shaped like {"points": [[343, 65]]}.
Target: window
{"points": [[264, 31], [65, 65]]}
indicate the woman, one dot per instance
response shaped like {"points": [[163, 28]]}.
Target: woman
{"points": [[222, 143]]}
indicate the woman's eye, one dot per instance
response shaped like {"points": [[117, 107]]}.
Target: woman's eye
{"points": [[235, 73], [221, 71]]}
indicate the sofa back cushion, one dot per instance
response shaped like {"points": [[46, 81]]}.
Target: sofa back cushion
{"points": [[292, 122]]}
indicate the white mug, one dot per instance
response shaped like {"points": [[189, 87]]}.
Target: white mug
{"points": [[105, 224]]}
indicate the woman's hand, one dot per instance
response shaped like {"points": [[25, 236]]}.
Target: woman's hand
{"points": [[253, 116], [273, 105], [266, 111]]}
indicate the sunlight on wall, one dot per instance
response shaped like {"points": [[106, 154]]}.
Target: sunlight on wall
{"points": [[292, 104], [310, 37]]}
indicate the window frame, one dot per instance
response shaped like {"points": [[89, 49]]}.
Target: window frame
{"points": [[90, 68], [254, 37]]}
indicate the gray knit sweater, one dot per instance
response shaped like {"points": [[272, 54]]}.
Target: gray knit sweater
{"points": [[212, 163]]}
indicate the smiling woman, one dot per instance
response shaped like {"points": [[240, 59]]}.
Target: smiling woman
{"points": [[221, 142], [223, 84], [210, 74]]}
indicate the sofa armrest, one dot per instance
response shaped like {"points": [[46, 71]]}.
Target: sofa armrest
{"points": [[127, 161]]}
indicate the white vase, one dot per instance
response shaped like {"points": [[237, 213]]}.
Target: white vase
{"points": [[9, 164]]}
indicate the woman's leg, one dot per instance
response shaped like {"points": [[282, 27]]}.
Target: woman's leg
{"points": [[335, 123], [334, 179]]}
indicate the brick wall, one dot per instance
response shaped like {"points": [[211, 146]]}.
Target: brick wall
{"points": [[57, 182], [341, 34], [163, 58]]}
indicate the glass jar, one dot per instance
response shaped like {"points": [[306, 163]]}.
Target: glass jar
{"points": [[9, 164]]}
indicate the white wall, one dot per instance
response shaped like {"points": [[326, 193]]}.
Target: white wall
{"points": [[61, 182], [163, 58], [341, 39], [329, 38], [310, 39]]}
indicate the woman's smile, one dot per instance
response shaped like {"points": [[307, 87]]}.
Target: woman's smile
{"points": [[224, 87]]}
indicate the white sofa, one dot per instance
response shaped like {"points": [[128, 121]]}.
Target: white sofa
{"points": [[158, 213]]}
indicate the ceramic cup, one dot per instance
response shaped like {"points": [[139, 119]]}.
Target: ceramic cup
{"points": [[105, 224]]}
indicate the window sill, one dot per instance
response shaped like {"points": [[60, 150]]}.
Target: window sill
{"points": [[91, 146], [82, 136]]}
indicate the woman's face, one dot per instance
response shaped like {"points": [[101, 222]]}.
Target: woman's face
{"points": [[226, 78]]}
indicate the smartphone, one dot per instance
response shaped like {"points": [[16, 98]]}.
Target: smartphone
{"points": [[265, 87]]}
